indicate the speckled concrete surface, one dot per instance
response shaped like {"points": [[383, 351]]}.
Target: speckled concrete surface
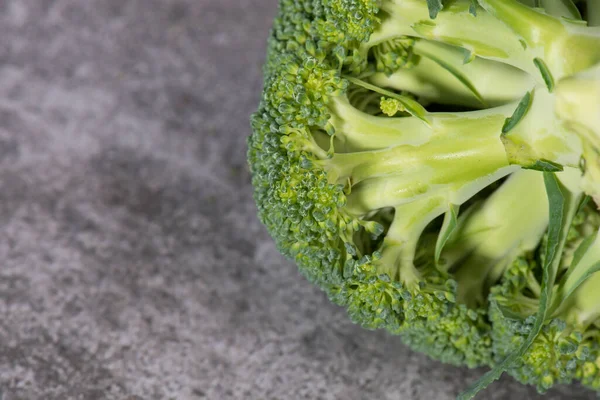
{"points": [[132, 263]]}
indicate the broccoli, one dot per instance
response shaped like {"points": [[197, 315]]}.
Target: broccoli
{"points": [[433, 167]]}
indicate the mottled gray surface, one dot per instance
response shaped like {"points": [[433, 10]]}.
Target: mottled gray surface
{"points": [[132, 263]]}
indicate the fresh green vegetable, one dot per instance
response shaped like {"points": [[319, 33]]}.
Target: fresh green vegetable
{"points": [[434, 167]]}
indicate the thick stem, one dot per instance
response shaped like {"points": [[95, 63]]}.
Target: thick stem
{"points": [[434, 82], [532, 26], [454, 153], [393, 191], [460, 149], [483, 35], [564, 47], [578, 106], [506, 225], [561, 8], [540, 135], [400, 243], [584, 309], [509, 32], [593, 12], [576, 296], [578, 102]]}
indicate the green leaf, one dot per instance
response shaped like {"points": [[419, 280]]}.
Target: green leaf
{"points": [[584, 202], [412, 106], [546, 74], [507, 313], [562, 207], [545, 166], [457, 73], [518, 115], [435, 6], [473, 8], [469, 56], [449, 225]]}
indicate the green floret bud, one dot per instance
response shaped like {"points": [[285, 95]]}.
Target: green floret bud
{"points": [[394, 54], [391, 106]]}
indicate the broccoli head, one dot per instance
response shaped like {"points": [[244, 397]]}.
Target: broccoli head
{"points": [[433, 166]]}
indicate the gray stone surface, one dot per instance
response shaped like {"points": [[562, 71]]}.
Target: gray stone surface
{"points": [[132, 265]]}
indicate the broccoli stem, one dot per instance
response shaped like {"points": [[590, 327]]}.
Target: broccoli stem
{"points": [[455, 143], [561, 8], [385, 162], [505, 225], [540, 135], [583, 308], [430, 81], [578, 105], [456, 155], [484, 35], [587, 301], [576, 297], [593, 12], [531, 25], [564, 47], [400, 244], [546, 47]]}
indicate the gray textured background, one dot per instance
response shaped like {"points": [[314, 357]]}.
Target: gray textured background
{"points": [[131, 260]]}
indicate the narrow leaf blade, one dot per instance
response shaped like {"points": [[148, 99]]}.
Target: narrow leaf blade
{"points": [[545, 166], [518, 115], [562, 206], [586, 261], [457, 73], [449, 225], [412, 106], [435, 6], [545, 72], [473, 8]]}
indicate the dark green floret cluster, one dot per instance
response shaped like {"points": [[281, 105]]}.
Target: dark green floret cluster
{"points": [[433, 167]]}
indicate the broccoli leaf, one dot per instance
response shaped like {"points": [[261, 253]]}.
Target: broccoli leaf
{"points": [[519, 113], [435, 6], [457, 73], [473, 8], [563, 205], [411, 106], [449, 225], [546, 74]]}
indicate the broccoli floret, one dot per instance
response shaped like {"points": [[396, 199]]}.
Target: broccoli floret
{"points": [[409, 166]]}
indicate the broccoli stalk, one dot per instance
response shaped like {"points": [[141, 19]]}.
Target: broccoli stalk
{"points": [[578, 105], [593, 13], [544, 46], [492, 235], [441, 76], [445, 156], [547, 48]]}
